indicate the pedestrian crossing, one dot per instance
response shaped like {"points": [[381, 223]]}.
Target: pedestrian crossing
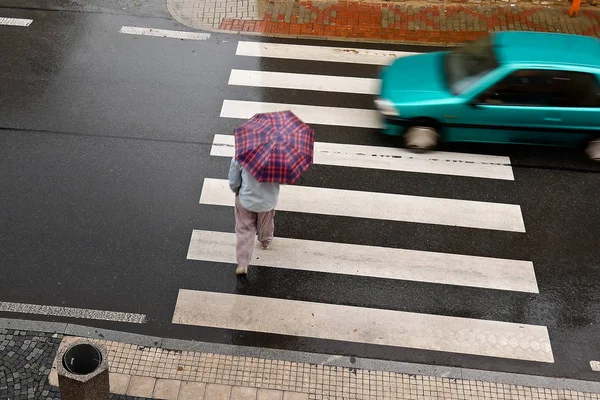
{"points": [[393, 159], [363, 325], [320, 115], [346, 322], [318, 53], [381, 206], [373, 261], [322, 83]]}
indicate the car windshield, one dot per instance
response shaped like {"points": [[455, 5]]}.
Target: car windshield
{"points": [[467, 64]]}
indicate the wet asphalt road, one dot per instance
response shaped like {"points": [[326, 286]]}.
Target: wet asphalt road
{"points": [[104, 145]]}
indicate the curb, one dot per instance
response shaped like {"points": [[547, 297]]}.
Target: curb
{"points": [[305, 37], [302, 357]]}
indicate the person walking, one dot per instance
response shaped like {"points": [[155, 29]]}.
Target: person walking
{"points": [[270, 149], [254, 212]]}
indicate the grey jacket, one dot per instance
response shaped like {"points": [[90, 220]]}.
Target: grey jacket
{"points": [[254, 195]]}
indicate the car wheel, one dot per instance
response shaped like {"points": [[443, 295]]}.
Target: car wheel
{"points": [[593, 150], [421, 138]]}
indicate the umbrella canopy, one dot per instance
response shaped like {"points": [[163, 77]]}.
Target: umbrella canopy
{"points": [[275, 147]]}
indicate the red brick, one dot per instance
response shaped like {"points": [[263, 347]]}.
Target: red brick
{"points": [[271, 27], [283, 27], [261, 26]]}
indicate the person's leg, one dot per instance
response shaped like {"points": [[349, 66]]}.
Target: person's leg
{"points": [[266, 228], [245, 229]]}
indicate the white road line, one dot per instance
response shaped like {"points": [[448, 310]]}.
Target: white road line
{"points": [[15, 21], [375, 262], [394, 159], [337, 116], [72, 312], [133, 30], [384, 206], [595, 365], [322, 83], [363, 325], [319, 53]]}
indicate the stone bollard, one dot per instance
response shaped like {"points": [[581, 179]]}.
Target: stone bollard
{"points": [[83, 372]]}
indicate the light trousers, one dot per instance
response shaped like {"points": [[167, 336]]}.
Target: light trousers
{"points": [[248, 224]]}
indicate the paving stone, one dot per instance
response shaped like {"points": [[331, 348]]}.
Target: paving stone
{"points": [[217, 392], [191, 391], [266, 394], [243, 393], [167, 389], [141, 386], [118, 383]]}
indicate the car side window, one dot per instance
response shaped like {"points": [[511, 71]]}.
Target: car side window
{"points": [[544, 88], [521, 88], [575, 89]]}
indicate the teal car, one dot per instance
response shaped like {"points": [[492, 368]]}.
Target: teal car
{"points": [[508, 87]]}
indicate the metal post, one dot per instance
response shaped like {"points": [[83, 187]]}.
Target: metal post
{"points": [[83, 372]]}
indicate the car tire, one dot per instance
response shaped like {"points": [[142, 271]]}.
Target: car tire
{"points": [[421, 138], [593, 150]]}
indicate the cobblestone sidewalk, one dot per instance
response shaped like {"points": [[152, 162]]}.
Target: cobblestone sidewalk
{"points": [[26, 360], [378, 21]]}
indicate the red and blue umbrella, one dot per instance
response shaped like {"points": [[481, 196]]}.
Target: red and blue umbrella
{"points": [[275, 147]]}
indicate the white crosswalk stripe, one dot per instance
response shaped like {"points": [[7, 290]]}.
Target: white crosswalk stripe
{"points": [[321, 83], [394, 159], [318, 53], [385, 206], [166, 33], [363, 325], [376, 326], [336, 116], [15, 21], [375, 262]]}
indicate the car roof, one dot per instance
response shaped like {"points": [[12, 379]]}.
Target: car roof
{"points": [[546, 48]]}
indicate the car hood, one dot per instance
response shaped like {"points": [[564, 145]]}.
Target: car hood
{"points": [[420, 75]]}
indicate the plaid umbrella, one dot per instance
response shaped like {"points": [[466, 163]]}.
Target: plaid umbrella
{"points": [[275, 147]]}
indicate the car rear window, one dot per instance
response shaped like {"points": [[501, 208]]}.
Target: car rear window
{"points": [[467, 64]]}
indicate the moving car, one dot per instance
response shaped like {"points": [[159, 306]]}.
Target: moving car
{"points": [[508, 87]]}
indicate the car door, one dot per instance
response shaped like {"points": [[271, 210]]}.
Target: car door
{"points": [[575, 106], [514, 110]]}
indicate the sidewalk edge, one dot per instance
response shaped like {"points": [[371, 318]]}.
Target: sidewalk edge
{"points": [[306, 37], [302, 357]]}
